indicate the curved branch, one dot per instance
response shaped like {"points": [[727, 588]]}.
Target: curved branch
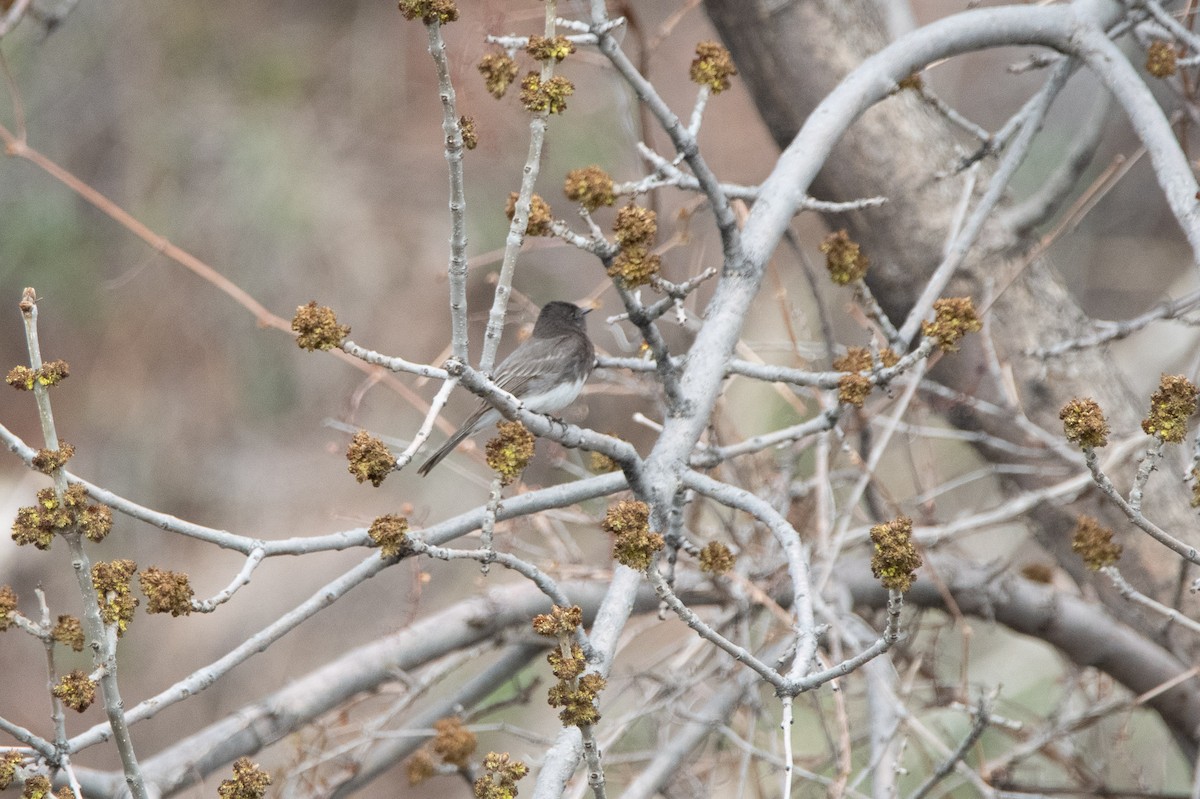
{"points": [[249, 729], [1083, 631]]}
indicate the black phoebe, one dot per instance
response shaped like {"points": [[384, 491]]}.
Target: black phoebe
{"points": [[546, 372]]}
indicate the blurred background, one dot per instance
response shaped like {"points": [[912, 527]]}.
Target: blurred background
{"points": [[296, 147]]}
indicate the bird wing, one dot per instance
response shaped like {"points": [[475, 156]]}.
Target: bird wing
{"points": [[537, 359]]}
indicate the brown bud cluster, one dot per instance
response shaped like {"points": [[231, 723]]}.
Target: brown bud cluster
{"points": [[577, 701], [510, 451], [1094, 543], [112, 584], [844, 259], [541, 48], [854, 388], [1170, 408], [545, 97], [167, 591], [600, 463], [429, 11], [50, 374], [1084, 423], [590, 186], [1161, 59], [9, 762], [466, 128], [47, 460], [953, 318], [575, 692], [715, 558], [499, 780], [896, 558], [453, 742], [249, 781], [540, 216], [712, 67], [559, 621], [389, 533], [636, 544], [8, 606], [316, 327], [499, 71], [75, 691], [38, 524], [68, 631], [370, 459], [636, 229]]}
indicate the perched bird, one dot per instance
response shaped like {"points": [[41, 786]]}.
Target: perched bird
{"points": [[546, 372]]}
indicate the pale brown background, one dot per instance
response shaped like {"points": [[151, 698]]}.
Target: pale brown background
{"points": [[296, 147]]}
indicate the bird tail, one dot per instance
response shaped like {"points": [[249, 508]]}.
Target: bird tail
{"points": [[469, 427]]}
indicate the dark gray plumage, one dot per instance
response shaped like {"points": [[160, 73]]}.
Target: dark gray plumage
{"points": [[546, 372]]}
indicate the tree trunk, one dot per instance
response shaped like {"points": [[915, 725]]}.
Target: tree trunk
{"points": [[791, 55]]}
